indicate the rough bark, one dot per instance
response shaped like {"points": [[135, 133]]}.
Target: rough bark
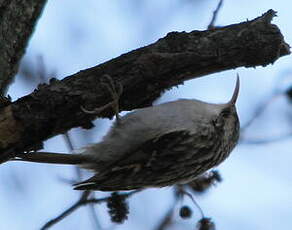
{"points": [[17, 21], [144, 73]]}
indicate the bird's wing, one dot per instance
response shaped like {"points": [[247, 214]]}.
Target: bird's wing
{"points": [[159, 155]]}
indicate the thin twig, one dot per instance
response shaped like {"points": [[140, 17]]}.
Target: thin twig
{"points": [[260, 109], [181, 191], [215, 13], [91, 208], [266, 140], [195, 202], [82, 201], [167, 219], [67, 212], [71, 148], [94, 217]]}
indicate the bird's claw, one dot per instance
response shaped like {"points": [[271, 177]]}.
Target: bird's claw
{"points": [[116, 90]]}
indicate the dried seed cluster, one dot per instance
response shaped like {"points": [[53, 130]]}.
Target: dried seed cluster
{"points": [[118, 208]]}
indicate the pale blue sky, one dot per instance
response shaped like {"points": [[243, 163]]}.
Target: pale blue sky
{"points": [[73, 35]]}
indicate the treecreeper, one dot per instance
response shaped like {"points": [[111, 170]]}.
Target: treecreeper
{"points": [[157, 146]]}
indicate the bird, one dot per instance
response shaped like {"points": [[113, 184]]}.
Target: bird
{"points": [[156, 146]]}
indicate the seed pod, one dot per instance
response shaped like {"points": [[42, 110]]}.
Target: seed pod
{"points": [[185, 212]]}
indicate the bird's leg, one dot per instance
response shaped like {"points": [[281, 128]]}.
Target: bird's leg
{"points": [[116, 91]]}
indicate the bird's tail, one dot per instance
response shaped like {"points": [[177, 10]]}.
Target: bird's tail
{"points": [[52, 158]]}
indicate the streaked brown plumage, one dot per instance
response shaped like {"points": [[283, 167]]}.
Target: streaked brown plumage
{"points": [[158, 146]]}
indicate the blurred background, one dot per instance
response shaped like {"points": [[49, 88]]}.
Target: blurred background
{"points": [[73, 35]]}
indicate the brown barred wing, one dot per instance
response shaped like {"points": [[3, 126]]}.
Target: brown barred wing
{"points": [[174, 157]]}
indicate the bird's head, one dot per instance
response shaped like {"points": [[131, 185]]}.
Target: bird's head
{"points": [[227, 117]]}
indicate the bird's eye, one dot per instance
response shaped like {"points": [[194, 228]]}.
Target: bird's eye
{"points": [[225, 113]]}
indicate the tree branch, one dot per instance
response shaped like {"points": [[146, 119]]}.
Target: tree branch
{"points": [[17, 21], [215, 13], [84, 200], [144, 73]]}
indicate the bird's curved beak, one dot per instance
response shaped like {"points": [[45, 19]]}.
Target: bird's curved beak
{"points": [[235, 93]]}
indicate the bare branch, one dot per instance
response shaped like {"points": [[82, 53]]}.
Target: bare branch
{"points": [[67, 212], [18, 19], [84, 200], [146, 73], [215, 13]]}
